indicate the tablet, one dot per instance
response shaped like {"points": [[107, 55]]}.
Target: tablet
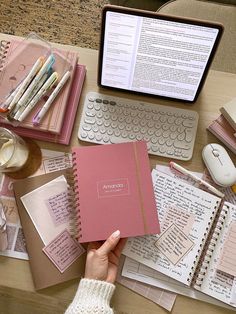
{"points": [[153, 54]]}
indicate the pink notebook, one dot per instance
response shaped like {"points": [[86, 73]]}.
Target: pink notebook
{"points": [[224, 132], [114, 191], [19, 57], [69, 117]]}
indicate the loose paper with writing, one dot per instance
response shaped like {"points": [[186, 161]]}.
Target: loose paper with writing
{"points": [[174, 244], [227, 261], [63, 250]]}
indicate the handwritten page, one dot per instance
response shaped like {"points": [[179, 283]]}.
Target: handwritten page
{"points": [[69, 250], [217, 283], [227, 260], [170, 191], [181, 218], [174, 244], [49, 203]]}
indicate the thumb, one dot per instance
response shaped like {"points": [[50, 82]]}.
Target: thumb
{"points": [[110, 243]]}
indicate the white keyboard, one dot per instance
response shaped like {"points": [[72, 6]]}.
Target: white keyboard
{"points": [[168, 131]]}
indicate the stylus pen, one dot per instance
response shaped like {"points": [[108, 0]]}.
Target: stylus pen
{"points": [[184, 171], [41, 113]]}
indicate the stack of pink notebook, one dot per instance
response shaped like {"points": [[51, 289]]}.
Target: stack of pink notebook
{"points": [[58, 123]]}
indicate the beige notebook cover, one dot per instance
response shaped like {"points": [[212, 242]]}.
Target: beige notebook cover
{"points": [[44, 273]]}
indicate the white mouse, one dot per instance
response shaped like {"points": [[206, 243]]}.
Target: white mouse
{"points": [[219, 164]]}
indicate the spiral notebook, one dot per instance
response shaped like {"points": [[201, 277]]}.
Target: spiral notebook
{"points": [[197, 240], [113, 191], [16, 59]]}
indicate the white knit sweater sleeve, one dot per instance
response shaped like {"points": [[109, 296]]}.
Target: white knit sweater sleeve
{"points": [[92, 296]]}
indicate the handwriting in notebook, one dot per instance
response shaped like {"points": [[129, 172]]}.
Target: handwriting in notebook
{"points": [[180, 217]]}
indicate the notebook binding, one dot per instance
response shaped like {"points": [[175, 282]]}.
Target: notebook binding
{"points": [[198, 257], [201, 270], [4, 45], [73, 196]]}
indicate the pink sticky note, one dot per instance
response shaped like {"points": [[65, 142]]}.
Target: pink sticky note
{"points": [[63, 250]]}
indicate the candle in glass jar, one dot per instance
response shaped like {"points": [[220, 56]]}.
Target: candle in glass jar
{"points": [[13, 154]]}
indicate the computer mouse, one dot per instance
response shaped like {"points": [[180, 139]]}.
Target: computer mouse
{"points": [[219, 164]]}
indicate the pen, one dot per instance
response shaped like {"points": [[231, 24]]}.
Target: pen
{"points": [[44, 69], [182, 170], [5, 104], [36, 67], [17, 111], [46, 86], [40, 114]]}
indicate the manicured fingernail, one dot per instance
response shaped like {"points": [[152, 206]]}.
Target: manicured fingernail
{"points": [[116, 234]]}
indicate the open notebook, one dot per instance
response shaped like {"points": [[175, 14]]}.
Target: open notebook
{"points": [[194, 245]]}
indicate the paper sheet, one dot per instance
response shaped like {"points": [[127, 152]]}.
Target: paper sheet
{"points": [[159, 296], [49, 209]]}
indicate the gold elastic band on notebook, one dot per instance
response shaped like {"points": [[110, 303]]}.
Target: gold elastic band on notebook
{"points": [[139, 189]]}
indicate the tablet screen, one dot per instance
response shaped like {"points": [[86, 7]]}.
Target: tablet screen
{"points": [[154, 54]]}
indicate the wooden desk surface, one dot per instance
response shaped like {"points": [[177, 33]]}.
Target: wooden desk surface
{"points": [[17, 294]]}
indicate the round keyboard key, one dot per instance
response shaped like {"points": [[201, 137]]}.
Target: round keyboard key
{"points": [[105, 101], [91, 98], [121, 126], [117, 132], [154, 140], [110, 132], [90, 105], [99, 122], [114, 124], [102, 129], [104, 108], [97, 107], [106, 138], [98, 100], [113, 103], [173, 136], [91, 136], [161, 141], [84, 134], [154, 148], [106, 116], [132, 136], [128, 127], [181, 136], [139, 137], [124, 134], [107, 123], [162, 149], [170, 151], [98, 137], [99, 114], [95, 128]]}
